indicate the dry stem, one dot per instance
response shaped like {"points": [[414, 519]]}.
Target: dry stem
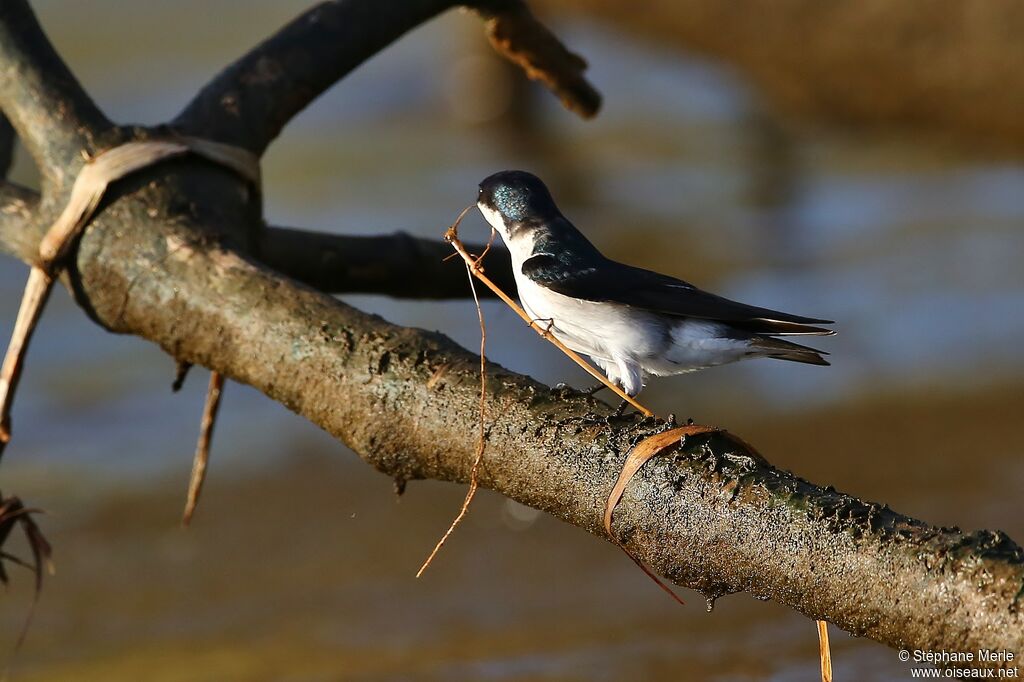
{"points": [[37, 291], [202, 456], [481, 444]]}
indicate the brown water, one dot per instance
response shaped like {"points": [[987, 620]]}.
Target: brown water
{"points": [[300, 562]]}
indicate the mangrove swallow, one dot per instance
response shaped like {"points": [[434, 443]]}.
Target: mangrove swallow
{"points": [[632, 322]]}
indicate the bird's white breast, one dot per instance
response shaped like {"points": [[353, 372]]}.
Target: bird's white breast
{"points": [[626, 342], [606, 331]]}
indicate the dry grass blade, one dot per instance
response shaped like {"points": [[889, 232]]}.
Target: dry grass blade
{"points": [[12, 513], [482, 442], [637, 457], [202, 456], [824, 651], [452, 237]]}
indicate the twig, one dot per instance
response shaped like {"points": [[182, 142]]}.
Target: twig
{"points": [[180, 373], [202, 456], [482, 442], [37, 290], [452, 237], [824, 651], [515, 33]]}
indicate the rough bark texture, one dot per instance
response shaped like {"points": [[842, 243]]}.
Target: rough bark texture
{"points": [[946, 67], [166, 260]]}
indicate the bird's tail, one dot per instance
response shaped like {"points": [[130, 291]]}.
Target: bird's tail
{"points": [[772, 347]]}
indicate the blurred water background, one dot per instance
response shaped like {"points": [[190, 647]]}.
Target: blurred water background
{"points": [[300, 562]]}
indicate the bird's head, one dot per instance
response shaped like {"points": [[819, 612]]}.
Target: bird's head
{"points": [[515, 202]]}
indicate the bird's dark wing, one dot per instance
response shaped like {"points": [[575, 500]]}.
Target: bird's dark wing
{"points": [[598, 279]]}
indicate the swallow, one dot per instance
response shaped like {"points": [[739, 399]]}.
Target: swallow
{"points": [[633, 323]]}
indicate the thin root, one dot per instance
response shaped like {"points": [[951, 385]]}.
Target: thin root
{"points": [[482, 442]]}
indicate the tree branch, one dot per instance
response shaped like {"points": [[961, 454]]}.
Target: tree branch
{"points": [[705, 516], [396, 265], [251, 100], [53, 115]]}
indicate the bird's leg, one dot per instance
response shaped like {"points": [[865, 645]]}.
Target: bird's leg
{"points": [[621, 408], [594, 389], [547, 329]]}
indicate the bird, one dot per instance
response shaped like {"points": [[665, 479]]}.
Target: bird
{"points": [[632, 323]]}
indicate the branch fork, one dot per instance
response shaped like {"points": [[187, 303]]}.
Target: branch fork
{"points": [[87, 191]]}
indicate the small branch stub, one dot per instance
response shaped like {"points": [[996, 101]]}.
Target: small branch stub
{"points": [[202, 456]]}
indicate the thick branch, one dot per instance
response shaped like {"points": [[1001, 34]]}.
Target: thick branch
{"points": [[396, 265], [705, 515], [53, 115], [251, 100]]}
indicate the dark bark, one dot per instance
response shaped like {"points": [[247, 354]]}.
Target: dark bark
{"points": [[251, 100], [396, 265], [162, 261], [54, 117]]}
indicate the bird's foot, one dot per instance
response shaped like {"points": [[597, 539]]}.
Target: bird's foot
{"points": [[549, 325]]}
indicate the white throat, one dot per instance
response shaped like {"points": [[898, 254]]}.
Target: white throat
{"points": [[520, 248]]}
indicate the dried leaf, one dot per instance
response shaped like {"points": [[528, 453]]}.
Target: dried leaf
{"points": [[12, 513], [637, 457]]}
